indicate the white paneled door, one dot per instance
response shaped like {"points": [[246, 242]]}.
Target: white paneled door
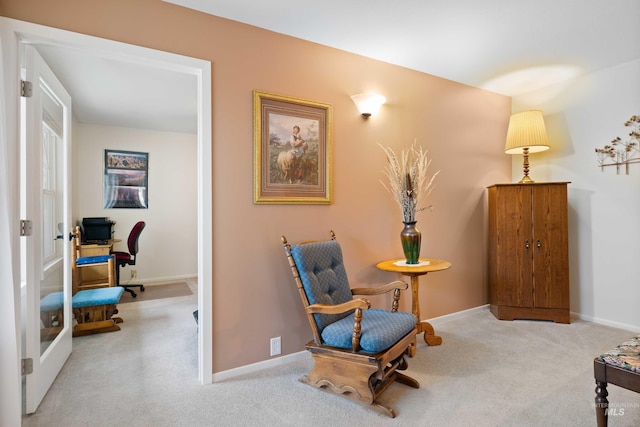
{"points": [[45, 203]]}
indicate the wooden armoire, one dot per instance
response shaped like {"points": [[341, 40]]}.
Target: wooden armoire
{"points": [[529, 251]]}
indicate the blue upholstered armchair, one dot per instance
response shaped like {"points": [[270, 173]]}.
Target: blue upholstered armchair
{"points": [[357, 350]]}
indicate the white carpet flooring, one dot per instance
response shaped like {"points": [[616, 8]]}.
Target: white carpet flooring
{"points": [[486, 373]]}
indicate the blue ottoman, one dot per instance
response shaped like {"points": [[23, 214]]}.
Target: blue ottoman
{"points": [[93, 310]]}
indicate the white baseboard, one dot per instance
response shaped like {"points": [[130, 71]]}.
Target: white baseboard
{"points": [[573, 315], [160, 280], [457, 315], [605, 322], [259, 366]]}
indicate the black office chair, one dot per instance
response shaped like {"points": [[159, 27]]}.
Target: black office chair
{"points": [[129, 258]]}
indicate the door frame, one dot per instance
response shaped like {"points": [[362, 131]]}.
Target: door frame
{"points": [[15, 32]]}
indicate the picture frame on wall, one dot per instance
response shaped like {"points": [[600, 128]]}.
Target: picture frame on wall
{"points": [[292, 150], [126, 179]]}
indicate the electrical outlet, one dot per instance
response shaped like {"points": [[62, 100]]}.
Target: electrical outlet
{"points": [[275, 346], [134, 274]]}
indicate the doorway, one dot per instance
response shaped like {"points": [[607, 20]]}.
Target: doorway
{"points": [[22, 32]]}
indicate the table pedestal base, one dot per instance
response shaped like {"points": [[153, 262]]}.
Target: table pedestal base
{"points": [[429, 336]]}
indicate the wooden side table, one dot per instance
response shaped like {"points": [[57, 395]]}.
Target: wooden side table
{"points": [[414, 271]]}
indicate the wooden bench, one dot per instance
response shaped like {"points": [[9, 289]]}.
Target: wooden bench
{"points": [[621, 367]]}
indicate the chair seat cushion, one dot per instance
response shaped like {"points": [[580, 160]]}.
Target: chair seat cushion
{"points": [[99, 296], [52, 301], [92, 259], [625, 356], [121, 256], [380, 330]]}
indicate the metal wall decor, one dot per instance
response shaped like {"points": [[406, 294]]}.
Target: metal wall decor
{"points": [[622, 153]]}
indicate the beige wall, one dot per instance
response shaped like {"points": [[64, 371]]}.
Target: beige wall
{"points": [[254, 294]]}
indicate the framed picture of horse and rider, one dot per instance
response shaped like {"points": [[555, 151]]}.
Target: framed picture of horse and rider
{"points": [[292, 150]]}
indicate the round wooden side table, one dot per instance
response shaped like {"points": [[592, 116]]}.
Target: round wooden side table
{"points": [[414, 271]]}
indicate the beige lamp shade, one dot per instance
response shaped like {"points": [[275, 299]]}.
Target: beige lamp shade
{"points": [[526, 134], [526, 130]]}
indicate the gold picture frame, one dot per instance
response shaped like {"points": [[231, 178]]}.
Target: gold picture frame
{"points": [[292, 150]]}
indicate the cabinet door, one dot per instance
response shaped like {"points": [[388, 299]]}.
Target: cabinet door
{"points": [[550, 246], [513, 246]]}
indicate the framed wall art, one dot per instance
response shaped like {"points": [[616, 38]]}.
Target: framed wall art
{"points": [[126, 179], [292, 150]]}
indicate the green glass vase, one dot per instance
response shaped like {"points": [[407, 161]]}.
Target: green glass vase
{"points": [[411, 239]]}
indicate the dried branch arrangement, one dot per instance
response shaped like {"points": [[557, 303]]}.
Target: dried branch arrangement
{"points": [[409, 182], [622, 153]]}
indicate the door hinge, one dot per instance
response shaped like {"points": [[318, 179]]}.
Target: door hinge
{"points": [[25, 227], [27, 366], [26, 88]]}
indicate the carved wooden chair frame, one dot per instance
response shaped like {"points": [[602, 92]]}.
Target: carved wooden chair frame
{"points": [[357, 376]]}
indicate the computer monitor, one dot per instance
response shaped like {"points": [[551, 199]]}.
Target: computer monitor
{"points": [[97, 229]]}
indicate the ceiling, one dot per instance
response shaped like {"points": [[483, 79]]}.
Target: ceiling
{"points": [[510, 47], [118, 92], [480, 43]]}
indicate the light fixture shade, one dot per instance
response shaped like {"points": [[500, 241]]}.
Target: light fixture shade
{"points": [[368, 103], [526, 130]]}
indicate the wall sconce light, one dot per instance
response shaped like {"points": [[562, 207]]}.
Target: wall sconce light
{"points": [[368, 103], [526, 134]]}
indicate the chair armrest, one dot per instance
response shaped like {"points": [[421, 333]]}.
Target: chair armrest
{"points": [[360, 303], [397, 284]]}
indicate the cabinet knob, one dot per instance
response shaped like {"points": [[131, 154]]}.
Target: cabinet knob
{"points": [[538, 245], [526, 246]]}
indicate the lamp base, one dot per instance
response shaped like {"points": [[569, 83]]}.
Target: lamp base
{"points": [[526, 180], [525, 167]]}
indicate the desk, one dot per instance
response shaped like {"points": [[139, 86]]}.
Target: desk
{"points": [[94, 249], [426, 265]]}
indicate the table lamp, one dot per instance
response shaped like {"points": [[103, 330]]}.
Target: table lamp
{"points": [[526, 134]]}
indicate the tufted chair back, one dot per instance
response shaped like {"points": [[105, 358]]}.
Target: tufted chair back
{"points": [[323, 276]]}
